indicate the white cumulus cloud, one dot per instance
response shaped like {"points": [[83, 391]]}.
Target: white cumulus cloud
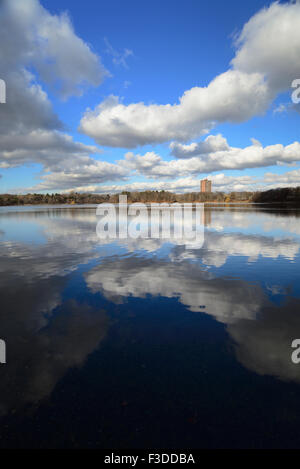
{"points": [[154, 166], [265, 63]]}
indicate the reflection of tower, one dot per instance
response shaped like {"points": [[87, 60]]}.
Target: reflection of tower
{"points": [[206, 217], [205, 185]]}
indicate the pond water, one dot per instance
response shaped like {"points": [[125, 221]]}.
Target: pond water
{"points": [[149, 343]]}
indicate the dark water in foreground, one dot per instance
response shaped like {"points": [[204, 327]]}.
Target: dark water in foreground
{"points": [[145, 343]]}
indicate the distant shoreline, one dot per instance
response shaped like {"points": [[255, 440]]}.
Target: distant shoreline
{"points": [[148, 204], [287, 195]]}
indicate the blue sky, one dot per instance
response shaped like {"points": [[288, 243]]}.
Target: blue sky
{"points": [[150, 53]]}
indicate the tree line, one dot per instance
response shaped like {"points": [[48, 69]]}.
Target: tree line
{"points": [[143, 197], [285, 195], [281, 195]]}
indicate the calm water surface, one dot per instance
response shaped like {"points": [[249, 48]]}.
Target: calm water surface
{"points": [[149, 343]]}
